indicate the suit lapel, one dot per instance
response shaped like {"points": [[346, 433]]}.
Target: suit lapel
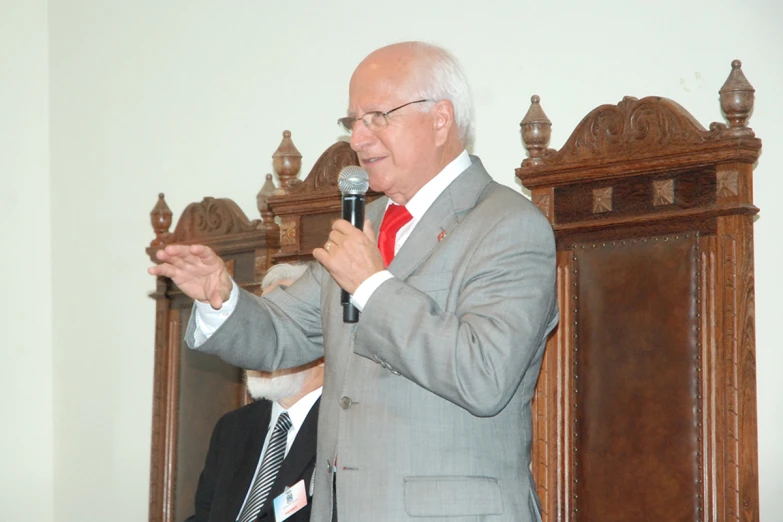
{"points": [[440, 219], [255, 432]]}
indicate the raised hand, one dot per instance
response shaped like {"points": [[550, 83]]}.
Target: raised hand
{"points": [[197, 271], [350, 255]]}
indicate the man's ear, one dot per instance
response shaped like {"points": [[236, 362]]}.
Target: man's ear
{"points": [[443, 120]]}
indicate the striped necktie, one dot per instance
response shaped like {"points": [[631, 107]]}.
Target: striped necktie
{"points": [[273, 459]]}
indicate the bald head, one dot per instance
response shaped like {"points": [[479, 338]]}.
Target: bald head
{"points": [[426, 72], [410, 112]]}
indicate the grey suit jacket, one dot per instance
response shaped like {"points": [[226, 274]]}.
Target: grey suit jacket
{"points": [[426, 400]]}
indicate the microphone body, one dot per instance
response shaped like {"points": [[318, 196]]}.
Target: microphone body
{"points": [[353, 182]]}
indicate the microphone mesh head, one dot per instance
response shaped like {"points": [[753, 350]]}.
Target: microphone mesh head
{"points": [[353, 180]]}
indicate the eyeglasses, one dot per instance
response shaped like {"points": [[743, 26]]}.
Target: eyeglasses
{"points": [[373, 120]]}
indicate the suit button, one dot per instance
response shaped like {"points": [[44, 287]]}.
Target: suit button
{"points": [[345, 402]]}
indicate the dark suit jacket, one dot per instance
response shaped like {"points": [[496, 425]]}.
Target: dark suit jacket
{"points": [[231, 462]]}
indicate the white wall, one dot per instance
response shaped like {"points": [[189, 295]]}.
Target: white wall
{"points": [[190, 98], [26, 412]]}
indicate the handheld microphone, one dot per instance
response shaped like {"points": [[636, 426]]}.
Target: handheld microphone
{"points": [[353, 182]]}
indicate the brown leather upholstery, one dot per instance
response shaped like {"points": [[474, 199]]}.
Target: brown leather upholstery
{"points": [[645, 407]]}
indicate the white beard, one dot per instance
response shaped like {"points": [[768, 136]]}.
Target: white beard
{"points": [[274, 388]]}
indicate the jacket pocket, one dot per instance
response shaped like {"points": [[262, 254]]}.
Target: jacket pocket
{"points": [[452, 496]]}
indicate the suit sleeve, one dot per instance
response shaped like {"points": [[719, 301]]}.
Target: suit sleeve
{"points": [[475, 352], [253, 335]]}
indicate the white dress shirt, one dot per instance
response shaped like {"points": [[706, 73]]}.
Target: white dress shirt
{"points": [[208, 319]]}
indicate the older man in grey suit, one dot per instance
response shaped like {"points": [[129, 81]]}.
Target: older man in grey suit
{"points": [[425, 412]]}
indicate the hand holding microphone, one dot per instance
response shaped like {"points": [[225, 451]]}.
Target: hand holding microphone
{"points": [[351, 253], [353, 182]]}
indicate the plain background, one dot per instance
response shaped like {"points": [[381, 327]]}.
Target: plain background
{"points": [[105, 103]]}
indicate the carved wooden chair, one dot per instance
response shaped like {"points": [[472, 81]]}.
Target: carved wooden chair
{"points": [[646, 402]]}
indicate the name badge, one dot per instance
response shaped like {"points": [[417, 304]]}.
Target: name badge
{"points": [[290, 501]]}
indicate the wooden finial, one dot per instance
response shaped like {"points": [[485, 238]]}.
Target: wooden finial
{"points": [[286, 161], [267, 217], [736, 100], [536, 130], [160, 216]]}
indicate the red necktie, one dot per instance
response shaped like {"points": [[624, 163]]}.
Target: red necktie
{"points": [[396, 217]]}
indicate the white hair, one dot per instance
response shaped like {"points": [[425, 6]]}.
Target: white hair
{"points": [[282, 272], [439, 76], [275, 387], [288, 382]]}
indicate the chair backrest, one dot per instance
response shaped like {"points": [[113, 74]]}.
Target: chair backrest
{"points": [[646, 403]]}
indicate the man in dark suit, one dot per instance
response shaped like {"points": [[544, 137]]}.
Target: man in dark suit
{"points": [[241, 437]]}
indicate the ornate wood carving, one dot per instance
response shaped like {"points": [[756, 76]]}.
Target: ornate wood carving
{"points": [[287, 161], [653, 123], [324, 173], [653, 217], [536, 131], [736, 100], [728, 184], [288, 233], [663, 192], [738, 358], [640, 135], [553, 404], [602, 200], [307, 208], [267, 216], [543, 200], [211, 218], [161, 221]]}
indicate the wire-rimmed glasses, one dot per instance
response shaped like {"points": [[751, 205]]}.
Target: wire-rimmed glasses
{"points": [[373, 120]]}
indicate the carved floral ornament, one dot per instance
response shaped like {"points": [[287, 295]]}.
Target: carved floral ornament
{"points": [[652, 123], [211, 217], [543, 202]]}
